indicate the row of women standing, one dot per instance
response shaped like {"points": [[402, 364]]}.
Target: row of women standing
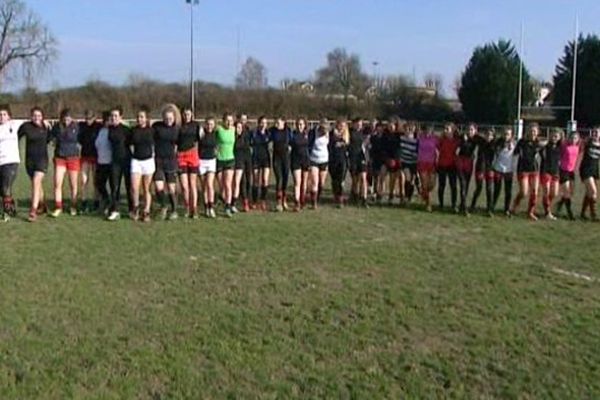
{"points": [[401, 156], [97, 157]]}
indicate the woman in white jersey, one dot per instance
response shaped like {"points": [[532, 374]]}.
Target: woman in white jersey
{"points": [[318, 145], [503, 169], [9, 162]]}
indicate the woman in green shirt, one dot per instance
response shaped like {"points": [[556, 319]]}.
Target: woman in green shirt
{"points": [[226, 161]]}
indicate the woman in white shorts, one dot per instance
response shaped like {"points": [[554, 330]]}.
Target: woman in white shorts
{"points": [[208, 165], [143, 166]]}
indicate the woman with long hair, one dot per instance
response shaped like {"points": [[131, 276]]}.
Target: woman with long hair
{"points": [[484, 172], [103, 164], [36, 133], [408, 159], [9, 162], [464, 164], [338, 160], [188, 161], [120, 168], [358, 150], [208, 165], [549, 172], [446, 166], [589, 173], [166, 136], [427, 155], [280, 137], [225, 136], [300, 162], [378, 154], [528, 170], [242, 185], [318, 148], [393, 165], [143, 166], [65, 135], [261, 163], [570, 157], [88, 131], [503, 169]]}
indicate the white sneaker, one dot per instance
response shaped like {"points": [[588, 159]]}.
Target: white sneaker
{"points": [[212, 213], [114, 216], [551, 217], [234, 209]]}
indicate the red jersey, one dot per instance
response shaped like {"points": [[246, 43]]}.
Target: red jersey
{"points": [[447, 152]]}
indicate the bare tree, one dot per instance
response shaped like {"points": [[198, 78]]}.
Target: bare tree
{"points": [[25, 42], [253, 75], [343, 74]]}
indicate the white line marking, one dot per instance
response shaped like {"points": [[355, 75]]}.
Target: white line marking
{"points": [[575, 275]]}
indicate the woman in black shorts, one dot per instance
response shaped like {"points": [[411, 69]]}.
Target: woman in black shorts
{"points": [[261, 163], [280, 137], [36, 158], [243, 166], [338, 160], [166, 135], [300, 163], [589, 173], [357, 157]]}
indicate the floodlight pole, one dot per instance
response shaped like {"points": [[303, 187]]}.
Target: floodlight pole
{"points": [[573, 123], [519, 122], [192, 3]]}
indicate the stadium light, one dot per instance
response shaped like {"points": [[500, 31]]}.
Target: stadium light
{"points": [[192, 3], [572, 126], [519, 122]]}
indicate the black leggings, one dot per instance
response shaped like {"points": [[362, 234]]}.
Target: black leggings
{"points": [[246, 182], [102, 180], [8, 174], [118, 171], [448, 174], [507, 178], [337, 171], [489, 193], [281, 168], [464, 180]]}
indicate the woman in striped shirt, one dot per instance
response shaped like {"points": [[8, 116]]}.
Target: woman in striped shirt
{"points": [[408, 159]]}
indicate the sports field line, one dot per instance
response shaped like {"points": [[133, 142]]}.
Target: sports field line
{"points": [[574, 274]]}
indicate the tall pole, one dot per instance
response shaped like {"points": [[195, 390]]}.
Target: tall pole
{"points": [[192, 94], [519, 127], [575, 51]]}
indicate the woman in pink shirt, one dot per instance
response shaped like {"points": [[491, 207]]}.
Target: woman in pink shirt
{"points": [[427, 155], [569, 158]]}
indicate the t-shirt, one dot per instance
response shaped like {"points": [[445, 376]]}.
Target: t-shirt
{"points": [[87, 138], [260, 145], [208, 145], [225, 143], [142, 140], [466, 147], [36, 141], [118, 136], [528, 152], [281, 141], [165, 140], [550, 154], [66, 139], [447, 152], [568, 156], [427, 148], [319, 149], [9, 144], [188, 136], [408, 150], [103, 147], [504, 157]]}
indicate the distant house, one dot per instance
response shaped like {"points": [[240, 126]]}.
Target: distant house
{"points": [[543, 93], [304, 87]]}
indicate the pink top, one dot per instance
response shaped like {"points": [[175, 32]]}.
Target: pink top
{"points": [[427, 149], [568, 156]]}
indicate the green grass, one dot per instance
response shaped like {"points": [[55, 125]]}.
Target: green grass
{"points": [[384, 303]]}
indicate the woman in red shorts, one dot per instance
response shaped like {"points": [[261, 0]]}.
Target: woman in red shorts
{"points": [[446, 167], [427, 154], [65, 136], [528, 170], [549, 172], [189, 161]]}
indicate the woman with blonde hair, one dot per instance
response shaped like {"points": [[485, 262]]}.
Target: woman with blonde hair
{"points": [[338, 159], [166, 136], [318, 149]]}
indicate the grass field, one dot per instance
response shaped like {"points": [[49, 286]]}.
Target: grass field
{"points": [[350, 304]]}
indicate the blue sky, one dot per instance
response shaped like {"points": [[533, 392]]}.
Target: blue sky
{"points": [[109, 39]]}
